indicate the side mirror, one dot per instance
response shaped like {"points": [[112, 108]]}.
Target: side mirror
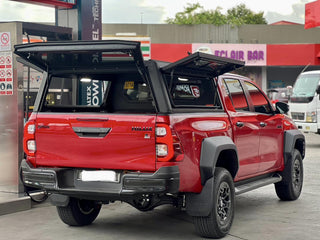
{"points": [[318, 89], [282, 107]]}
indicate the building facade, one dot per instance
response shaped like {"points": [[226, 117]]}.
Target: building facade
{"points": [[274, 54]]}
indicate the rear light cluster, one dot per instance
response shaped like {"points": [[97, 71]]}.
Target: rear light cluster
{"points": [[29, 142], [168, 145]]}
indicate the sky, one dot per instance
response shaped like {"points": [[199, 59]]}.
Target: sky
{"points": [[155, 11]]}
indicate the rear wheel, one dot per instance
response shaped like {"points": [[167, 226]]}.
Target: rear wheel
{"points": [[291, 186], [79, 212], [220, 219]]}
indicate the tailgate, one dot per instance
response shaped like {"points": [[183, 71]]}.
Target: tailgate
{"points": [[96, 141]]}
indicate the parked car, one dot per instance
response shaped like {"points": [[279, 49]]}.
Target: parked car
{"points": [[278, 95], [108, 126]]}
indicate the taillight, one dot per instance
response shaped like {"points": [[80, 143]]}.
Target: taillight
{"points": [[162, 150], [29, 142], [167, 144]]}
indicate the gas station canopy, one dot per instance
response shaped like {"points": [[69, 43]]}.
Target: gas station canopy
{"points": [[53, 33], [51, 3]]}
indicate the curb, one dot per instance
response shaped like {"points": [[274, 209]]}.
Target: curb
{"points": [[14, 205]]}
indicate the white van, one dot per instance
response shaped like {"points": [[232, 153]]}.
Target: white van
{"points": [[304, 102]]}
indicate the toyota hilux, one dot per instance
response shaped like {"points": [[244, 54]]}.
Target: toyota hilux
{"points": [[108, 126]]}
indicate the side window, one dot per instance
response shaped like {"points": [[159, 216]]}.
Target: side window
{"points": [[259, 101], [235, 91]]}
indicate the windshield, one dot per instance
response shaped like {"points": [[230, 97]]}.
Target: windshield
{"points": [[306, 85]]}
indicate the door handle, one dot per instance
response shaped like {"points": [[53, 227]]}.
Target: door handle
{"points": [[263, 124], [91, 132], [239, 124]]}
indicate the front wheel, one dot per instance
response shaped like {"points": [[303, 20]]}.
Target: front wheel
{"points": [[79, 212], [291, 185], [220, 219]]}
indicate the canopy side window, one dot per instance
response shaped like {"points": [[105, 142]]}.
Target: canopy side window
{"points": [[192, 91]]}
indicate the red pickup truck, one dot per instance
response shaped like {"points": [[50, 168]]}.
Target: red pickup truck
{"points": [[108, 126]]}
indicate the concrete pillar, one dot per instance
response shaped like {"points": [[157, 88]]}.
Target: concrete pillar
{"points": [[11, 107], [85, 19], [68, 18]]}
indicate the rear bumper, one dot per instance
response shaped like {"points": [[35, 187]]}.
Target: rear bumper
{"points": [[65, 181]]}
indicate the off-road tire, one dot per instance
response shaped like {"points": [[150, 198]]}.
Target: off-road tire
{"points": [[219, 222], [290, 187], [79, 212]]}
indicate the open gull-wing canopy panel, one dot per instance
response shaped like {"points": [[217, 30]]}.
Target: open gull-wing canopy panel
{"points": [[82, 55], [203, 64]]}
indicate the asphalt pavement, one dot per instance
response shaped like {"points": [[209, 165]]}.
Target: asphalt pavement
{"points": [[259, 215]]}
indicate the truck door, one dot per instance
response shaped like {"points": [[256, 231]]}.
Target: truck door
{"points": [[246, 130], [270, 125]]}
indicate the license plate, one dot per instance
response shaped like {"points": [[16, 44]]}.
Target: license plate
{"points": [[99, 176]]}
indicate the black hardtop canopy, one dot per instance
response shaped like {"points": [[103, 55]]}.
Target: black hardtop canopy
{"points": [[61, 55], [200, 63], [108, 54]]}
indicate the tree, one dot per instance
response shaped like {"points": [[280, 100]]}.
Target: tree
{"points": [[236, 16], [240, 15]]}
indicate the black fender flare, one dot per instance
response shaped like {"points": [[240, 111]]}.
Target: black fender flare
{"points": [[200, 204], [293, 139], [210, 151]]}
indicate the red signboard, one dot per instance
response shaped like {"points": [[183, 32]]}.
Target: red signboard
{"points": [[312, 15], [159, 51], [51, 3]]}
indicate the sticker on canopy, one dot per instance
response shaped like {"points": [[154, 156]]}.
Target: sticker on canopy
{"points": [[128, 85], [195, 91], [183, 89]]}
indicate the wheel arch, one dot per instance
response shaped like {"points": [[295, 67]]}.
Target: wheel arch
{"points": [[293, 139], [232, 163]]}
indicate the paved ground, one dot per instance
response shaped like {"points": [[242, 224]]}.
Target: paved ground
{"points": [[259, 215]]}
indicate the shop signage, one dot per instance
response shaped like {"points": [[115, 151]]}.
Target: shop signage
{"points": [[252, 54], [5, 41], [91, 93], [145, 43], [35, 78], [6, 73], [90, 20]]}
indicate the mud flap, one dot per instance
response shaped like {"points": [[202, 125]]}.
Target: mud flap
{"points": [[200, 204]]}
